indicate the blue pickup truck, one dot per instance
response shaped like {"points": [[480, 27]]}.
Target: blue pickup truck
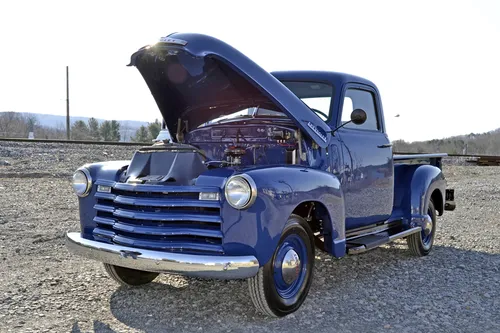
{"points": [[251, 174]]}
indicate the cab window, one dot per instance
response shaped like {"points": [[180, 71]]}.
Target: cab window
{"points": [[360, 99]]}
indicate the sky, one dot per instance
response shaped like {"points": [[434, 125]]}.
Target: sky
{"points": [[436, 63]]}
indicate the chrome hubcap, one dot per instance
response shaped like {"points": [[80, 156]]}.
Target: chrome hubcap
{"points": [[290, 267], [427, 226]]}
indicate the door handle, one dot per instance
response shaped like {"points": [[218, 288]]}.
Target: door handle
{"points": [[388, 145]]}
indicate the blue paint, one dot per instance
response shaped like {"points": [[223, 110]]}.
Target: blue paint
{"points": [[184, 79], [350, 176], [280, 190]]}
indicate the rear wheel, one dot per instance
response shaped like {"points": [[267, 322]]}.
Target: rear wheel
{"points": [[281, 286], [128, 276], [420, 243]]}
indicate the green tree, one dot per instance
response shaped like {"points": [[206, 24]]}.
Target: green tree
{"points": [[93, 125], [115, 130], [141, 135], [105, 130], [79, 130], [154, 129]]}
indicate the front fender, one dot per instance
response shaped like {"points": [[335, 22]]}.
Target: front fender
{"points": [[280, 190], [102, 170], [425, 180]]}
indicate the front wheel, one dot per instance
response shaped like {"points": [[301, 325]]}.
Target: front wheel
{"points": [[129, 277], [282, 284], [420, 243]]}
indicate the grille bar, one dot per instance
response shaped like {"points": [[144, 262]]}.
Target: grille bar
{"points": [[163, 188], [179, 246], [160, 217], [127, 200], [130, 214], [157, 230], [170, 246], [166, 231], [104, 208], [106, 196], [103, 220]]}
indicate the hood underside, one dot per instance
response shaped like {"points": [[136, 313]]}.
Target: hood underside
{"points": [[196, 78]]}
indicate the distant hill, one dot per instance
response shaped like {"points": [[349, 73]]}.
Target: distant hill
{"points": [[483, 143], [127, 127]]}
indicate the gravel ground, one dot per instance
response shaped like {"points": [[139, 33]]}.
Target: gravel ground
{"points": [[45, 289]]}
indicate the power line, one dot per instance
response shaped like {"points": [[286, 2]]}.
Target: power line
{"points": [[67, 104]]}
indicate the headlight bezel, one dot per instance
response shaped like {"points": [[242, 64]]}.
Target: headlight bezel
{"points": [[252, 186], [86, 173]]}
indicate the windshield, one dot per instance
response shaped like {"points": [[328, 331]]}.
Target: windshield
{"points": [[253, 112], [317, 96]]}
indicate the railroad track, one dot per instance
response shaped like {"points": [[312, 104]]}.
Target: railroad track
{"points": [[84, 142], [479, 159]]}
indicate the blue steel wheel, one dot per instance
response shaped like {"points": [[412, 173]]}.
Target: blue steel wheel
{"points": [[282, 284], [420, 243]]}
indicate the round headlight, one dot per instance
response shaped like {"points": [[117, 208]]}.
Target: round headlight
{"points": [[240, 191], [82, 182]]}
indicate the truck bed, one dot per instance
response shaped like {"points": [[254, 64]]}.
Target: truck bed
{"points": [[432, 159]]}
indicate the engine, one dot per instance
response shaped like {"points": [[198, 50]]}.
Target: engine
{"points": [[247, 144]]}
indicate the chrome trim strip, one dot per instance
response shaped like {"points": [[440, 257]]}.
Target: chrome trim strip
{"points": [[404, 233], [371, 230], [214, 267]]}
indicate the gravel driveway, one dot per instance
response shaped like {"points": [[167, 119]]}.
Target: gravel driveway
{"points": [[45, 289]]}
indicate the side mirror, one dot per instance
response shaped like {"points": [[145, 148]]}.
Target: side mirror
{"points": [[358, 117]]}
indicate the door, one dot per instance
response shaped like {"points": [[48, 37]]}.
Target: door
{"points": [[367, 170]]}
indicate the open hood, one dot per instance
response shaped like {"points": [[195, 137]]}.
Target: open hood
{"points": [[197, 78]]}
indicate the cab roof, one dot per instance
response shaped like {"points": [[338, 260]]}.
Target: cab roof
{"points": [[336, 78]]}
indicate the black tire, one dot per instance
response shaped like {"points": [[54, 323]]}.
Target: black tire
{"points": [[128, 276], [263, 289], [416, 243]]}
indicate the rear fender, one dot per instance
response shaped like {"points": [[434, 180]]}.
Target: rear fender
{"points": [[280, 190], [425, 180]]}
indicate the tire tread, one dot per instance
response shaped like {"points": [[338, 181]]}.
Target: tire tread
{"points": [[256, 283], [111, 270], [258, 295], [414, 241]]}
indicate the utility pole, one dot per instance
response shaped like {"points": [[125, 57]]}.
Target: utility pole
{"points": [[67, 103]]}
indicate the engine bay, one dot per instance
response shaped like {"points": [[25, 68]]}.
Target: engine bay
{"points": [[247, 144]]}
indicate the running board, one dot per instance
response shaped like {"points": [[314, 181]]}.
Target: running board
{"points": [[365, 243]]}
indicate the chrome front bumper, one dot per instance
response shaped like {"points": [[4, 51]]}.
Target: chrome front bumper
{"points": [[215, 267]]}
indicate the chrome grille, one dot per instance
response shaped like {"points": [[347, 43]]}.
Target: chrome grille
{"points": [[158, 217]]}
